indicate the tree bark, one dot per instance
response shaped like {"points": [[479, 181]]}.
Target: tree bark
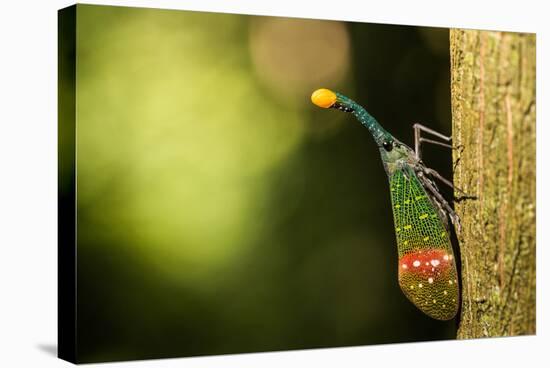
{"points": [[493, 109]]}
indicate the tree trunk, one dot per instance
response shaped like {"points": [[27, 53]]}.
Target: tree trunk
{"points": [[493, 108]]}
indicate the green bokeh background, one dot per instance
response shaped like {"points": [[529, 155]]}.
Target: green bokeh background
{"points": [[219, 211]]}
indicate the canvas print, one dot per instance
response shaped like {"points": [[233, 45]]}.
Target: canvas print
{"points": [[236, 183]]}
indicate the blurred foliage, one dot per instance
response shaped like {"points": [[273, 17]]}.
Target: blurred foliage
{"points": [[219, 211]]}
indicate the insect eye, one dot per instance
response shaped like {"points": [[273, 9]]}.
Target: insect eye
{"points": [[388, 145]]}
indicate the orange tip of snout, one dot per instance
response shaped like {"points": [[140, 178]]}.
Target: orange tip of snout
{"points": [[323, 98]]}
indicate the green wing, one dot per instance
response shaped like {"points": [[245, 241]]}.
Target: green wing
{"points": [[417, 222], [427, 269]]}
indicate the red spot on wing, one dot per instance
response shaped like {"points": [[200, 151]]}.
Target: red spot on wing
{"points": [[432, 261]]}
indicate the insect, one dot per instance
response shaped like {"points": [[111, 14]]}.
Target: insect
{"points": [[427, 270]]}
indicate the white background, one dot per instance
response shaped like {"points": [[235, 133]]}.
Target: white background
{"points": [[28, 182]]}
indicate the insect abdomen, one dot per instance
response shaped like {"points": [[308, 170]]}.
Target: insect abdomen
{"points": [[427, 270]]}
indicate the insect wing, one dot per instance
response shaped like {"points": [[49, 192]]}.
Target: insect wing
{"points": [[427, 269]]}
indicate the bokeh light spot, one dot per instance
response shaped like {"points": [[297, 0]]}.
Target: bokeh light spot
{"points": [[295, 56]]}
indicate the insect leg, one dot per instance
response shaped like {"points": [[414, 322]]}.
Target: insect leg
{"points": [[433, 190], [438, 176], [443, 215], [418, 139]]}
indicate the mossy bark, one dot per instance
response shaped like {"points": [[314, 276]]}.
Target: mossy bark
{"points": [[493, 109]]}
